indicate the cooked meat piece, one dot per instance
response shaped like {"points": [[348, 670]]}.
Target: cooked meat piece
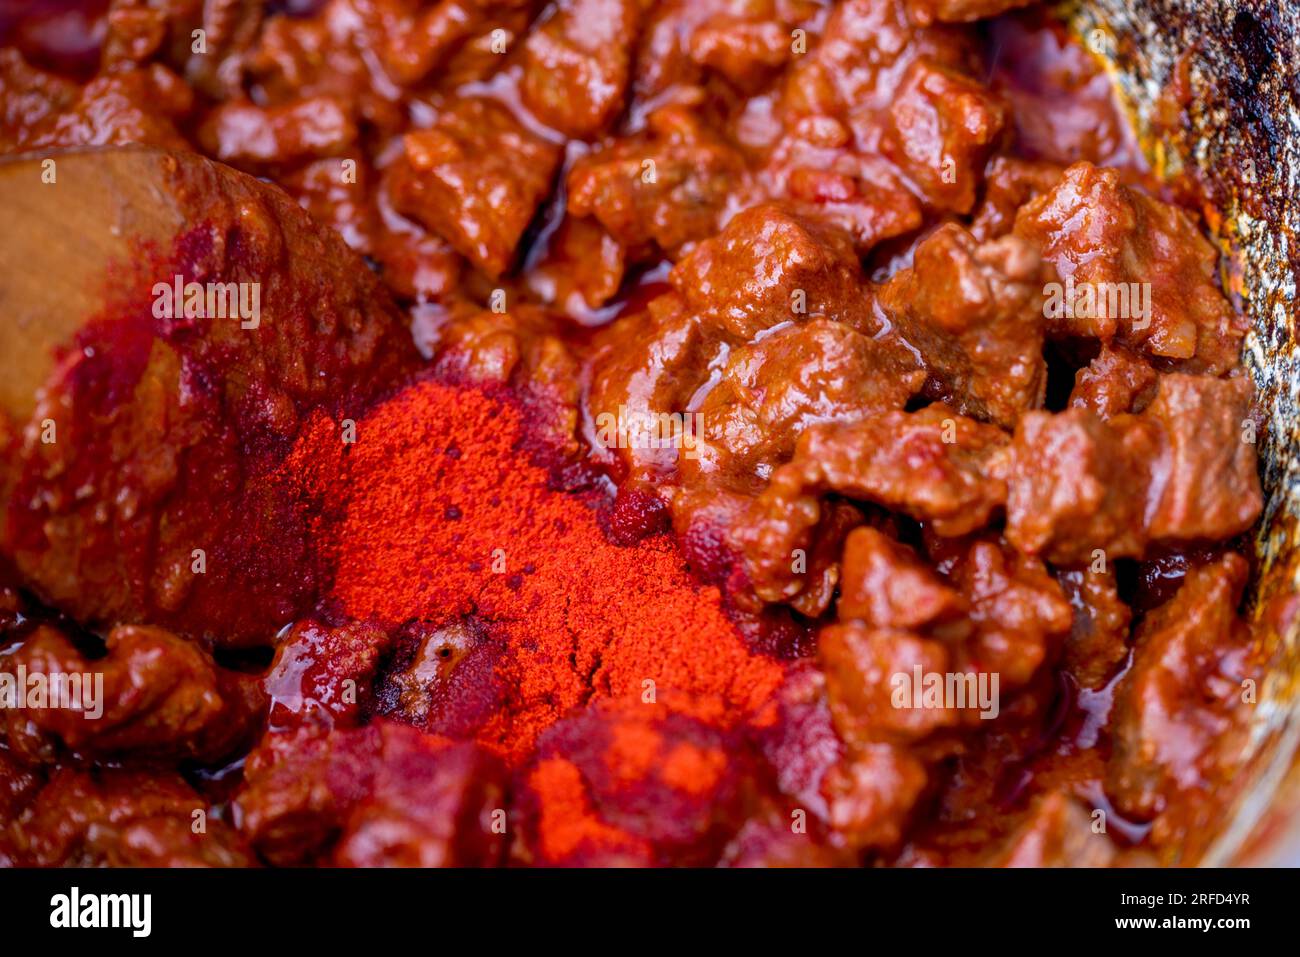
{"points": [[773, 389], [943, 126], [153, 698], [661, 189], [646, 365], [322, 673], [748, 42], [1017, 610], [934, 465], [116, 818], [872, 795], [1115, 382], [477, 178], [1207, 482], [1009, 183], [40, 111], [1059, 832], [866, 48], [862, 665], [582, 269], [1181, 471], [1078, 483], [1134, 271], [972, 311], [576, 65], [1098, 641], [381, 795], [771, 265], [886, 585], [252, 137], [1180, 712]]}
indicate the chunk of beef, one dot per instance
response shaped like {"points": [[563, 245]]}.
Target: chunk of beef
{"points": [[1142, 273], [660, 189], [1207, 482], [865, 49], [576, 65], [958, 11], [748, 42], [117, 818], [772, 265], [873, 794], [864, 667], [818, 170], [1098, 641], [380, 795], [1115, 382], [886, 585], [943, 126], [934, 465], [1018, 613], [1179, 712], [1009, 183], [41, 111], [252, 137], [581, 270], [972, 311], [477, 178], [773, 389], [153, 697], [322, 673], [1183, 470], [338, 196], [1057, 833], [649, 364], [1078, 483]]}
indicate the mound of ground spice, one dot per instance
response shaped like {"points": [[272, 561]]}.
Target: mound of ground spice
{"points": [[438, 514]]}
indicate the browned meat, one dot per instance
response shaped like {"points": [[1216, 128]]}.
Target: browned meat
{"points": [[115, 818], [772, 265], [934, 465], [153, 697], [476, 178], [887, 585], [1133, 270], [660, 190], [772, 390], [943, 126], [972, 311], [1180, 711], [1116, 381], [1098, 642], [576, 66], [1183, 470], [381, 795]]}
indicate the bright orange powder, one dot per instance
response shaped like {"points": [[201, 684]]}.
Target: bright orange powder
{"points": [[445, 515]]}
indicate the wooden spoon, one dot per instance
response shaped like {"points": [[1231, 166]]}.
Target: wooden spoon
{"points": [[70, 217]]}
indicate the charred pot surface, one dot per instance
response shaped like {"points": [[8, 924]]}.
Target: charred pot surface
{"points": [[1215, 93]]}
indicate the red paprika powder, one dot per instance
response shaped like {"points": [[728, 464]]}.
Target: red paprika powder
{"points": [[436, 512]]}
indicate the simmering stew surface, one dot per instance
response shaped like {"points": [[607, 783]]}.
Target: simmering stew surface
{"points": [[801, 433]]}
